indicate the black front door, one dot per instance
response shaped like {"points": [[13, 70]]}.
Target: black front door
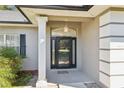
{"points": [[63, 52]]}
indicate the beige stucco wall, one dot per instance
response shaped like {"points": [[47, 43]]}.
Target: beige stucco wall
{"points": [[89, 44], [30, 63]]}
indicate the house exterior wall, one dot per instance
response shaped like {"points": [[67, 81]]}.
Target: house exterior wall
{"points": [[112, 48], [30, 62], [90, 48], [100, 46], [52, 24]]}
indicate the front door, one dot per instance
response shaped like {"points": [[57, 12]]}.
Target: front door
{"points": [[63, 52]]}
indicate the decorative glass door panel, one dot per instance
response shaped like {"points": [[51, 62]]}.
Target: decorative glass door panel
{"points": [[63, 52]]}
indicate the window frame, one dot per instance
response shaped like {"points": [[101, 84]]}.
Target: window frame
{"points": [[13, 46]]}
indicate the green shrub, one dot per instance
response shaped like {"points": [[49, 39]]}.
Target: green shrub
{"points": [[10, 65], [23, 78], [8, 52], [5, 83]]}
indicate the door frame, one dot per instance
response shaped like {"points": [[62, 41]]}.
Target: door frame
{"points": [[71, 65]]}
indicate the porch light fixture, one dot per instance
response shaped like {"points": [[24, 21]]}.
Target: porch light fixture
{"points": [[66, 28]]}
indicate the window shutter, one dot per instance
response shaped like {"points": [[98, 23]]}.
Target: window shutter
{"points": [[23, 45]]}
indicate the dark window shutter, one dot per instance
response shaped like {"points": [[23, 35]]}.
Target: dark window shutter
{"points": [[23, 45]]}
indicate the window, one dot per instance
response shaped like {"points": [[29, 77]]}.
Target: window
{"points": [[10, 40], [15, 41]]}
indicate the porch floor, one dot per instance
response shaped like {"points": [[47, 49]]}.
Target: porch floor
{"points": [[69, 79], [73, 79]]}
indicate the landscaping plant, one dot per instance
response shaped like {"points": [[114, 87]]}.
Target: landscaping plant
{"points": [[10, 65]]}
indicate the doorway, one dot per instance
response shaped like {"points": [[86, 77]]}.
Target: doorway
{"points": [[63, 50]]}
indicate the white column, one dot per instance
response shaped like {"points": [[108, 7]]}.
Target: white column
{"points": [[41, 51], [112, 49]]}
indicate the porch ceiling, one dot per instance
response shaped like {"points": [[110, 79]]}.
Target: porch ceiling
{"points": [[63, 15], [56, 15]]}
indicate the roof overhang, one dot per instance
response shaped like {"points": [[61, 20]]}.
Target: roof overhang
{"points": [[54, 14], [64, 13], [86, 11], [60, 7]]}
